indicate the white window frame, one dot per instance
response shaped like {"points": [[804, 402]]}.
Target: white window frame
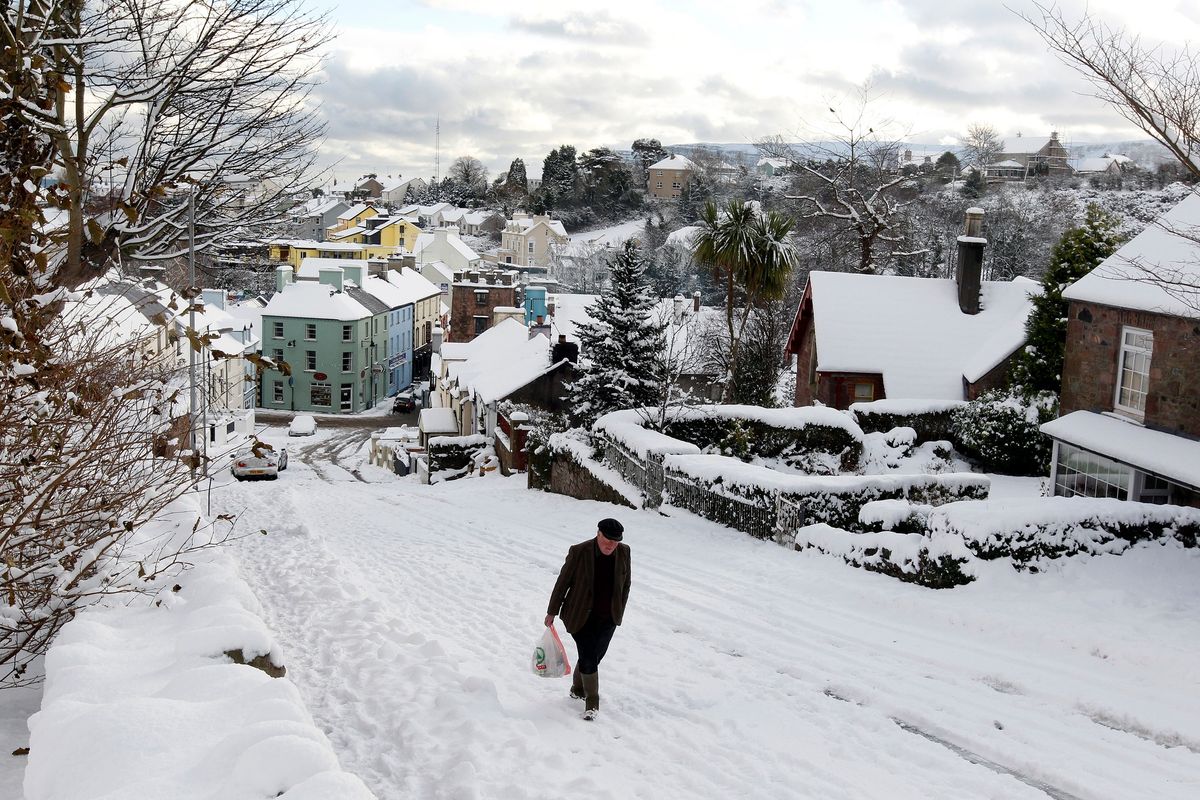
{"points": [[347, 333], [310, 360], [348, 357], [277, 392], [1133, 350], [310, 328], [277, 330]]}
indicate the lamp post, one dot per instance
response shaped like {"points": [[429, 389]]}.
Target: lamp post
{"points": [[372, 368], [291, 379]]}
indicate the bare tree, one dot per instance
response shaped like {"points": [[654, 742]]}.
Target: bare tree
{"points": [[1155, 88], [980, 145], [156, 101], [471, 174], [853, 180]]}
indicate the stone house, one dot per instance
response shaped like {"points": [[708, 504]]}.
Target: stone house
{"points": [[474, 297], [1130, 405], [860, 338], [666, 178], [1036, 157]]}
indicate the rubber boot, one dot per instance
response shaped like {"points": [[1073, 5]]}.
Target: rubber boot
{"points": [[577, 685], [591, 688]]}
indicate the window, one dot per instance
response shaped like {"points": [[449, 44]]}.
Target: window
{"points": [[481, 297], [864, 392], [1133, 371], [277, 391], [277, 330], [676, 185], [1087, 474], [481, 324], [310, 331], [347, 361], [658, 185], [310, 360], [347, 333], [277, 356], [531, 248], [319, 394]]}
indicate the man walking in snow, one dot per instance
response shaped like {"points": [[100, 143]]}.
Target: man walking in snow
{"points": [[590, 594]]}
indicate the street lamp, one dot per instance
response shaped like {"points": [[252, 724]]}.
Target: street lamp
{"points": [[372, 403]]}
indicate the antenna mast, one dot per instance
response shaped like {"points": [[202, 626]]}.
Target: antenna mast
{"points": [[437, 150]]}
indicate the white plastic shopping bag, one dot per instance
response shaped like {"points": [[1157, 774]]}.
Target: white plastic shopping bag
{"points": [[549, 656]]}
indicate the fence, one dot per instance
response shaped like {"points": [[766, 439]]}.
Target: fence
{"points": [[743, 515], [646, 475]]}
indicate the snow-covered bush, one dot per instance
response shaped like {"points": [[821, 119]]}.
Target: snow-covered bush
{"points": [[453, 457], [697, 482], [1001, 430], [1034, 530], [932, 420], [813, 440], [911, 557], [900, 516]]}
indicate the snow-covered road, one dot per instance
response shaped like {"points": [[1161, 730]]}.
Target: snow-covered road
{"points": [[408, 613]]}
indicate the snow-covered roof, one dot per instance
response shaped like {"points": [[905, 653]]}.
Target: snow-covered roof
{"points": [[311, 300], [570, 311], [683, 236], [425, 240], [438, 420], [912, 332], [1099, 164], [1126, 279], [453, 214], [777, 163], [1023, 146], [319, 206], [1007, 164], [354, 210], [441, 269], [673, 162], [346, 233], [310, 268], [501, 360], [416, 287], [386, 292], [476, 217], [433, 209], [1172, 457]]}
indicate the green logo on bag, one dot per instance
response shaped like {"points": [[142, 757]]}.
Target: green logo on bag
{"points": [[539, 655]]}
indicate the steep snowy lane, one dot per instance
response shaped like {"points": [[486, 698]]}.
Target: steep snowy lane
{"points": [[742, 669]]}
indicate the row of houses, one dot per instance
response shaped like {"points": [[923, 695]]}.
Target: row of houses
{"points": [[1130, 401]]}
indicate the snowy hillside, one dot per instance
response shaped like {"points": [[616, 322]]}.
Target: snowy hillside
{"points": [[407, 614]]}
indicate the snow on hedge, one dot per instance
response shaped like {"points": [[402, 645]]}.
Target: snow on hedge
{"points": [[902, 407], [744, 478], [1033, 529], [141, 701], [939, 563], [627, 426]]}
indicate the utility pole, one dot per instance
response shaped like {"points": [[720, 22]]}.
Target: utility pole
{"points": [[437, 150], [193, 404]]}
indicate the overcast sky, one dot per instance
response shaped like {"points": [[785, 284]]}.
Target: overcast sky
{"points": [[516, 79]]}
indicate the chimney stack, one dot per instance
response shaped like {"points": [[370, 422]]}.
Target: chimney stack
{"points": [[696, 302], [564, 349], [283, 276], [968, 275]]}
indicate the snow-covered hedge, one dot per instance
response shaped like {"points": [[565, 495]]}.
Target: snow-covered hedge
{"points": [[810, 438], [900, 516], [1003, 432], [932, 420], [940, 563], [1036, 529], [836, 500], [142, 701], [453, 457]]}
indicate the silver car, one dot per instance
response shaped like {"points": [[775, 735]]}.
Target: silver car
{"points": [[259, 462]]}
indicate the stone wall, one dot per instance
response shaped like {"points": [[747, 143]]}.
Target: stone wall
{"points": [[569, 477], [1093, 348]]}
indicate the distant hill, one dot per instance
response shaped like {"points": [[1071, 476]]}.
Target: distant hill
{"points": [[1147, 153]]}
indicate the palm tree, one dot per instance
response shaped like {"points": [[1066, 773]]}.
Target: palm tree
{"points": [[750, 251]]}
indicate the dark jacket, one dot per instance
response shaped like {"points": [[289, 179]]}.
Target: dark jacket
{"points": [[572, 596]]}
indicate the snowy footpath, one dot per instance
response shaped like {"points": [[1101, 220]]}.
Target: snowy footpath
{"points": [[407, 614]]}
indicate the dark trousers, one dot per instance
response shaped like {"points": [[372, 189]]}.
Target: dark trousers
{"points": [[592, 642]]}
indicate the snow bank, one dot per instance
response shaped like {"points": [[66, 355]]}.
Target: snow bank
{"points": [[571, 442], [905, 407], [1032, 530], [141, 701], [626, 428], [939, 563]]}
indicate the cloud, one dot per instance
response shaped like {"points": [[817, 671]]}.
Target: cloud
{"points": [[599, 27]]}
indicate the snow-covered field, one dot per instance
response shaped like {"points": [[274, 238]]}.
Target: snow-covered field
{"points": [[407, 614]]}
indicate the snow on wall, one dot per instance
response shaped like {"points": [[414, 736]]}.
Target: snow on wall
{"points": [[141, 702]]}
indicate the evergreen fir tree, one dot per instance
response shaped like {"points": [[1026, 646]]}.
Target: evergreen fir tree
{"points": [[1039, 365], [622, 346]]}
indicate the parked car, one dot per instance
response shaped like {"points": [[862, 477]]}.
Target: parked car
{"points": [[404, 403], [261, 464], [302, 425]]}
